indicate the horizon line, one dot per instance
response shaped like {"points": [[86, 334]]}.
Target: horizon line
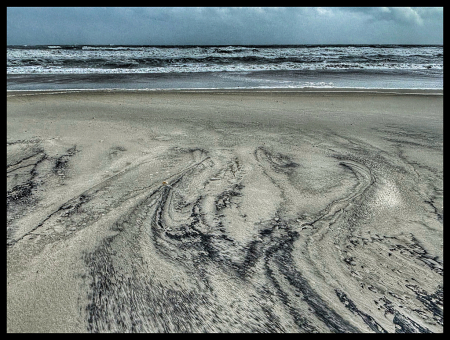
{"points": [[226, 45]]}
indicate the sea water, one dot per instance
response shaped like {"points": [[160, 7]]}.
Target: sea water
{"points": [[208, 67]]}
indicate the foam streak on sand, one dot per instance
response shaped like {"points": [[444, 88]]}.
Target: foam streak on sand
{"points": [[224, 211]]}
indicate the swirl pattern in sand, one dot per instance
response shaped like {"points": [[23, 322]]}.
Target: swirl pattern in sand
{"points": [[230, 225]]}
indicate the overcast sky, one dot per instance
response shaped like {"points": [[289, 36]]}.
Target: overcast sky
{"points": [[224, 25]]}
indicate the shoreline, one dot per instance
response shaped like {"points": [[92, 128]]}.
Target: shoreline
{"points": [[393, 91]]}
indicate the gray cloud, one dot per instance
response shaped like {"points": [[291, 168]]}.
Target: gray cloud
{"points": [[223, 25]]}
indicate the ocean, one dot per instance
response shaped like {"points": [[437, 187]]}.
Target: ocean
{"points": [[209, 67]]}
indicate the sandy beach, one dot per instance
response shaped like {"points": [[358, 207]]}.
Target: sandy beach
{"points": [[225, 211]]}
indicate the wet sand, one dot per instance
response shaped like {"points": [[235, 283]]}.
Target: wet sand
{"points": [[224, 211]]}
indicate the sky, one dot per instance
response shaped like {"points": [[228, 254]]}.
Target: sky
{"points": [[224, 25]]}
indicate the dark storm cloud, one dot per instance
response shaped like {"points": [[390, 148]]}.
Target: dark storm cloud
{"points": [[180, 25]]}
